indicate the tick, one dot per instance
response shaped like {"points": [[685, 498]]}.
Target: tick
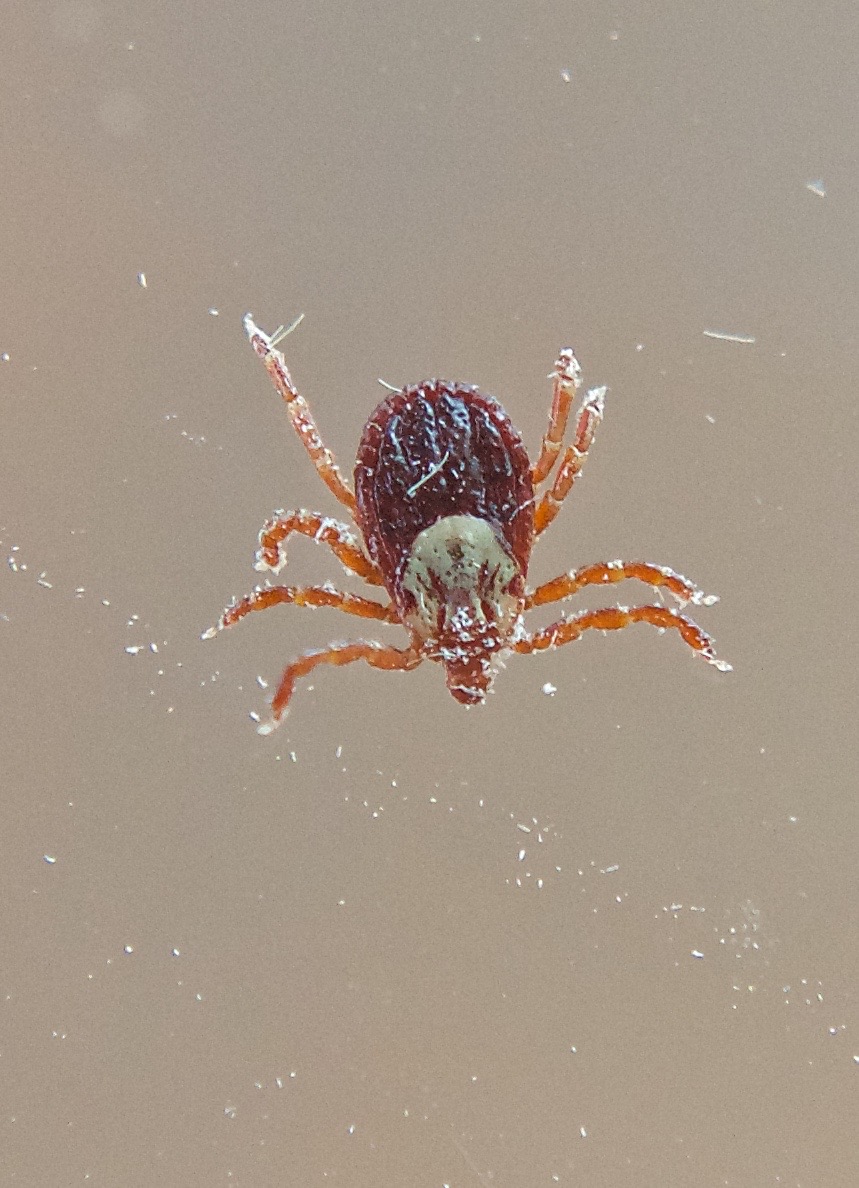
{"points": [[445, 510]]}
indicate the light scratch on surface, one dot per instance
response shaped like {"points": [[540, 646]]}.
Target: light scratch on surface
{"points": [[723, 336]]}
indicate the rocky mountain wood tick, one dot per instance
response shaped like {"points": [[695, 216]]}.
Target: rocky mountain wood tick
{"points": [[445, 512]]}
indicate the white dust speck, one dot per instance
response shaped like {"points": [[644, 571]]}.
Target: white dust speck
{"points": [[817, 187], [49, 858], [698, 954], [549, 689], [141, 279], [566, 75]]}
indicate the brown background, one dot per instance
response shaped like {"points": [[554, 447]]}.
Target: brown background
{"points": [[372, 986]]}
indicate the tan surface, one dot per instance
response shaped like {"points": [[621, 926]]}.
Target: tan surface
{"points": [[372, 988]]}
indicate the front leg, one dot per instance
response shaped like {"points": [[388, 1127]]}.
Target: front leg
{"points": [[566, 380], [302, 419], [573, 460], [343, 542]]}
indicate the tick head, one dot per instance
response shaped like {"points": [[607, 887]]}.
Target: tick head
{"points": [[462, 595]]}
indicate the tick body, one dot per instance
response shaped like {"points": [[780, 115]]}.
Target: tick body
{"points": [[445, 505], [445, 511]]}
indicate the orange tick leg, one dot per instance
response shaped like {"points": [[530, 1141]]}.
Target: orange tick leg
{"points": [[607, 572], [613, 619], [376, 654], [342, 541], [299, 411], [566, 380], [573, 459], [266, 596]]}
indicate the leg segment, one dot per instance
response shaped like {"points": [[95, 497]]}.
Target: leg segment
{"points": [[566, 380], [266, 596], [607, 572], [299, 411], [376, 654], [613, 619], [573, 460], [342, 541]]}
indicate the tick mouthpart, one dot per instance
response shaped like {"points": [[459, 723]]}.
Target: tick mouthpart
{"points": [[469, 678]]}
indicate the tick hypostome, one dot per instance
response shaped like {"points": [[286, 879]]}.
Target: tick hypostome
{"points": [[445, 510]]}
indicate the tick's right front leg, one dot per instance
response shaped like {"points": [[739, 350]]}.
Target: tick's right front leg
{"points": [[265, 347]]}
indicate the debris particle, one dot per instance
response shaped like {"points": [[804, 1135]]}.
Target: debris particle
{"points": [[724, 336]]}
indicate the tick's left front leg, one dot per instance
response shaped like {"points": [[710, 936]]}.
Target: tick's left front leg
{"points": [[572, 461], [566, 381]]}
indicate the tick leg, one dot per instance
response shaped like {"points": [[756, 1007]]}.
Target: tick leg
{"points": [[613, 619], [573, 459], [342, 541], [607, 572], [299, 411], [265, 596], [377, 655], [566, 380]]}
